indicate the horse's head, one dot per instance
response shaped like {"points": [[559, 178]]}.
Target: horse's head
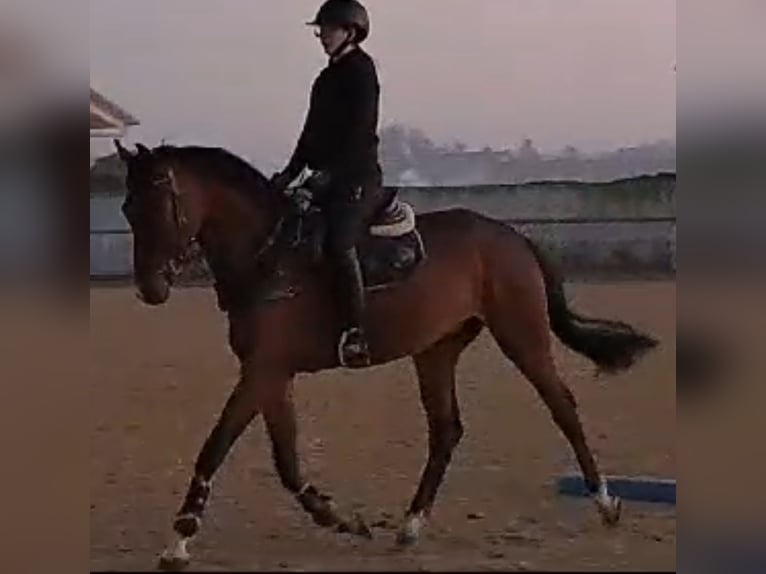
{"points": [[163, 220]]}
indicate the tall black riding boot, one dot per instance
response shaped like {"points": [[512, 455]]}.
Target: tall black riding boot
{"points": [[352, 349]]}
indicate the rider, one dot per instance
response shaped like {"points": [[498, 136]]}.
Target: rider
{"points": [[339, 140]]}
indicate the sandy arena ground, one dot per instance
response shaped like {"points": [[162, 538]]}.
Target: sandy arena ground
{"points": [[159, 378]]}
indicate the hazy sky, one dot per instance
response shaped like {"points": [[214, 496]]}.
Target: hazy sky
{"points": [[594, 73]]}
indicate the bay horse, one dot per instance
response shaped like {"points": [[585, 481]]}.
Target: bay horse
{"points": [[470, 272]]}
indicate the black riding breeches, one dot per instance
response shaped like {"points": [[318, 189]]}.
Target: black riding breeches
{"points": [[349, 210]]}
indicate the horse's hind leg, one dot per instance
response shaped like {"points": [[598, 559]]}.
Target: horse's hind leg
{"points": [[525, 339], [436, 376]]}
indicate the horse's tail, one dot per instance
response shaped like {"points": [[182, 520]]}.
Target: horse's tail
{"points": [[612, 345]]}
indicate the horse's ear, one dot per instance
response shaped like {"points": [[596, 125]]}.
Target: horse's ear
{"points": [[124, 154], [142, 149]]}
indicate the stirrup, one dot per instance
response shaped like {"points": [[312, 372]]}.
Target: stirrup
{"points": [[354, 352]]}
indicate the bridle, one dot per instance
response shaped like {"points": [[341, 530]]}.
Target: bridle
{"points": [[175, 265], [185, 241]]}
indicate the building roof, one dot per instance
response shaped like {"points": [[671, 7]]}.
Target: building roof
{"points": [[107, 115]]}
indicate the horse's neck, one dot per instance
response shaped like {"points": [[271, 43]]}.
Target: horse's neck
{"points": [[231, 235]]}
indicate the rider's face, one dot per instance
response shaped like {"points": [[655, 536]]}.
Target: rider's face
{"points": [[331, 37]]}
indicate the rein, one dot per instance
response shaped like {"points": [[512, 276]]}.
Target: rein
{"points": [[299, 201]]}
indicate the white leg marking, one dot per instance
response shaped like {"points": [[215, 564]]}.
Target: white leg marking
{"points": [[176, 551], [609, 506], [410, 531], [603, 498]]}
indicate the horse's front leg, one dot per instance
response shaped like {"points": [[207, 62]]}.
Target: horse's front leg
{"points": [[279, 413], [241, 407]]}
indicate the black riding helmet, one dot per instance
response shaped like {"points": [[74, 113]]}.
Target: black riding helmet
{"points": [[344, 13]]}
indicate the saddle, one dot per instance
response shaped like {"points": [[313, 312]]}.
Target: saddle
{"points": [[391, 249], [389, 252]]}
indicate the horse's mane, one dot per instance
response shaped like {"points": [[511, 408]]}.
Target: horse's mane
{"points": [[215, 163]]}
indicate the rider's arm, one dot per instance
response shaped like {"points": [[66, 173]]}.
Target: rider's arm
{"points": [[299, 158]]}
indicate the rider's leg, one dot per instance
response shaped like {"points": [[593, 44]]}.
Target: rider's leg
{"points": [[345, 225], [351, 203]]}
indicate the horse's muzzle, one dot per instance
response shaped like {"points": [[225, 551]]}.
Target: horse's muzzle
{"points": [[153, 290]]}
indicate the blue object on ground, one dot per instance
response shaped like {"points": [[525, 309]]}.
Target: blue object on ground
{"points": [[641, 489]]}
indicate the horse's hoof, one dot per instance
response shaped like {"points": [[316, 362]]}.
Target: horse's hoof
{"points": [[173, 563], [323, 511], [611, 511], [176, 556], [406, 538], [326, 518], [410, 531]]}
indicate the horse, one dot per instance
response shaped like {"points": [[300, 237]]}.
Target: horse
{"points": [[435, 282]]}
